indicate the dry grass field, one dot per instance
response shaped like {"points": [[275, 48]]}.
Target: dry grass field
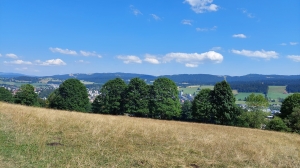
{"points": [[35, 137]]}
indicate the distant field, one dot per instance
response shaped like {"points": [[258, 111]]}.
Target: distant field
{"points": [[194, 89], [243, 95], [276, 92], [36, 137], [18, 84]]}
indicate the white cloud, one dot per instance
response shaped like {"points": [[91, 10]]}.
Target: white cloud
{"points": [[63, 51], [239, 36], [151, 59], [135, 11], [201, 6], [130, 59], [191, 65], [295, 58], [11, 55], [293, 43], [187, 22], [283, 44], [155, 17], [52, 62], [19, 62], [216, 48], [87, 54], [0, 55], [193, 59], [257, 54]]}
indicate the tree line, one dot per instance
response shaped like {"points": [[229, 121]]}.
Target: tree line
{"points": [[160, 101]]}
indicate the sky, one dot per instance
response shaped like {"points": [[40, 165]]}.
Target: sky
{"points": [[155, 37]]}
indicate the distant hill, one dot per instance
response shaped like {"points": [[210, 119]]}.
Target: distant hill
{"points": [[10, 75], [180, 79]]}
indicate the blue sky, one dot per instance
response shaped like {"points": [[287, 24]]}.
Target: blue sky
{"points": [[156, 37]]}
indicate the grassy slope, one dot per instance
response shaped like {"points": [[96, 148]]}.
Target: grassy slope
{"points": [[276, 92], [90, 140]]}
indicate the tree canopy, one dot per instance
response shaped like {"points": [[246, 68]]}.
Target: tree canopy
{"points": [[5, 95], [164, 98], [110, 100], [201, 109], [223, 104], [256, 102], [71, 95], [136, 97], [289, 104], [26, 96]]}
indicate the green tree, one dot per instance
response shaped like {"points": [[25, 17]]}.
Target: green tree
{"points": [[255, 117], [110, 100], [26, 96], [186, 111], [71, 95], [136, 98], [256, 102], [201, 108], [165, 99], [223, 104], [276, 124], [252, 119], [289, 104], [293, 120], [5, 95]]}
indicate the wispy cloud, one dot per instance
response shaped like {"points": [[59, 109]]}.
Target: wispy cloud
{"points": [[257, 54], [248, 14], [239, 36], [295, 58], [19, 62], [135, 11], [293, 43], [187, 22], [21, 69], [63, 51], [12, 56], [0, 55], [130, 59], [87, 54], [201, 6], [82, 62], [216, 48], [206, 29], [151, 59], [194, 59], [155, 17], [283, 44]]}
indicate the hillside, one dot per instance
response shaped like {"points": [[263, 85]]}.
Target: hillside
{"points": [[180, 79], [35, 137]]}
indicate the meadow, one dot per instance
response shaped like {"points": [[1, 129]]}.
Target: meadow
{"points": [[36, 137], [277, 92], [194, 89]]}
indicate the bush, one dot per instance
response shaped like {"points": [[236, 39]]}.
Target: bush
{"points": [[277, 124]]}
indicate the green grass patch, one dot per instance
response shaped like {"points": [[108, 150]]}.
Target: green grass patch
{"points": [[194, 89], [18, 84], [277, 92]]}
